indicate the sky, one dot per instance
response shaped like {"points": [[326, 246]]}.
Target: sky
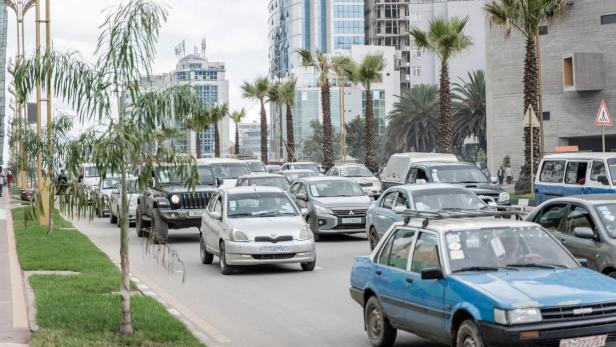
{"points": [[235, 32]]}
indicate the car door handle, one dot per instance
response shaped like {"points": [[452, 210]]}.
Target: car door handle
{"points": [[378, 272], [409, 280]]}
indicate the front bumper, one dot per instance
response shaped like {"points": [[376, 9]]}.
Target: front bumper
{"points": [[182, 218], [330, 224], [251, 253], [550, 334]]}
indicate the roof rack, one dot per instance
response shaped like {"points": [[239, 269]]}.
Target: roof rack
{"points": [[427, 216]]}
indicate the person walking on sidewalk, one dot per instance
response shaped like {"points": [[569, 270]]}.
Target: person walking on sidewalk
{"points": [[501, 175], [9, 178], [2, 181], [509, 174]]}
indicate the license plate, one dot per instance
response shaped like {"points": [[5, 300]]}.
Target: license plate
{"points": [[351, 220], [588, 341], [274, 249], [195, 213]]}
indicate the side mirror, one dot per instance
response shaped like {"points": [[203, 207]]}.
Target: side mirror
{"points": [[583, 261], [301, 196], [304, 211], [399, 209], [216, 215], [494, 180], [219, 181], [432, 274], [603, 180], [115, 191], [492, 204], [584, 233]]}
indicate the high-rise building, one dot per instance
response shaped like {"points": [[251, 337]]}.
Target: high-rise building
{"points": [[250, 138], [3, 29]]}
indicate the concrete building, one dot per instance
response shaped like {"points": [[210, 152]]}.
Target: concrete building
{"points": [[3, 32], [578, 70], [250, 138]]}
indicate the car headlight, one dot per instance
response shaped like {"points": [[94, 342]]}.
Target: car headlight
{"points": [[305, 234], [322, 210], [517, 316], [175, 199], [239, 236], [503, 196]]}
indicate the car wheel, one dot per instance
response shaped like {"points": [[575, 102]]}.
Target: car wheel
{"points": [[160, 229], [139, 224], [468, 335], [310, 222], [309, 266], [373, 238], [380, 331], [224, 268], [113, 219], [206, 257]]}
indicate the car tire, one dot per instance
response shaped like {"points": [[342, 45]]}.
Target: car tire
{"points": [[310, 222], [380, 332], [160, 229], [206, 257], [113, 219], [373, 237], [468, 335], [225, 269], [139, 224], [309, 266]]}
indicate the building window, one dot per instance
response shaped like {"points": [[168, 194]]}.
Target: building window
{"points": [[568, 72], [416, 71], [608, 19], [546, 115], [349, 11], [543, 30], [416, 53]]}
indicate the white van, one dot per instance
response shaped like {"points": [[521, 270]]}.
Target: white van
{"points": [[399, 165]]}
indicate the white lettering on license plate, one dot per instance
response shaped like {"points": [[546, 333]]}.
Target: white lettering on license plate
{"points": [[588, 341], [195, 213], [274, 249], [351, 220]]}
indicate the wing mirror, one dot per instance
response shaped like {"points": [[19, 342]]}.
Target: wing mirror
{"points": [[216, 215], [432, 274], [115, 191], [584, 233], [582, 261], [304, 211], [219, 181], [301, 196], [399, 209]]}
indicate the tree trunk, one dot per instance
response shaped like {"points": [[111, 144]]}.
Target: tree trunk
{"points": [[216, 141], [328, 157], [290, 135], [446, 120], [263, 133], [371, 160], [237, 138], [530, 99]]}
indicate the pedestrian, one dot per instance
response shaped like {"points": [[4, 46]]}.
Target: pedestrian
{"points": [[62, 182], [501, 175], [2, 181], [509, 174]]}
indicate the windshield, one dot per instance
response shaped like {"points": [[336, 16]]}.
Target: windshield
{"points": [[168, 175], [442, 199], [294, 176], [611, 163], [230, 170], [304, 166], [109, 183], [90, 171], [607, 213], [507, 248], [256, 166], [273, 168], [355, 171], [458, 174], [324, 189], [260, 205], [280, 182]]}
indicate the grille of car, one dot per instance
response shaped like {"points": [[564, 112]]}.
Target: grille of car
{"points": [[273, 239], [348, 226], [273, 256], [367, 184], [350, 213], [579, 312], [197, 200]]}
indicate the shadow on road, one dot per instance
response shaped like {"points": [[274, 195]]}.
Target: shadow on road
{"points": [[342, 238]]}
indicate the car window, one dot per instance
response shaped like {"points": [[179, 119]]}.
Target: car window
{"points": [[400, 200], [576, 172], [388, 200], [446, 198], [577, 217], [551, 216], [425, 255], [385, 252], [401, 248], [301, 188], [210, 206], [241, 182], [552, 171], [421, 175], [607, 213], [598, 174], [218, 206], [410, 178]]}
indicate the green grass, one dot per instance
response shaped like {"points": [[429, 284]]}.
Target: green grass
{"points": [[529, 196], [15, 190], [83, 310]]}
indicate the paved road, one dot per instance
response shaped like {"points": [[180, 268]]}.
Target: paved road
{"points": [[259, 307]]}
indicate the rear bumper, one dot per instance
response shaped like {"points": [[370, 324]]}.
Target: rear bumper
{"points": [[251, 253]]}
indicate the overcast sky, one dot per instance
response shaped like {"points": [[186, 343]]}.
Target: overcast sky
{"points": [[235, 30]]}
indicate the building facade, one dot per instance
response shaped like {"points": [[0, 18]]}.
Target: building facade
{"points": [[578, 70], [250, 138], [3, 33]]}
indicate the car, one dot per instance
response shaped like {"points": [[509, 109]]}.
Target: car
{"points": [[266, 180], [465, 281], [273, 168], [294, 175], [360, 174], [169, 204], [302, 165], [226, 169], [255, 165], [255, 226], [398, 166], [116, 198], [89, 175], [335, 205], [586, 225], [102, 194], [424, 197]]}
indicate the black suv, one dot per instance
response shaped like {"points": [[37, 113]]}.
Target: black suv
{"points": [[171, 205]]}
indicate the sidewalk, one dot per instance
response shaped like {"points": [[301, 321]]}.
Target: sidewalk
{"points": [[14, 330]]}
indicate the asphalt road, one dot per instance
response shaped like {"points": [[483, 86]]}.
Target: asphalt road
{"points": [[267, 306]]}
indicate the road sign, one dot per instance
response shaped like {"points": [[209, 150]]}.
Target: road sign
{"points": [[530, 118], [603, 116]]}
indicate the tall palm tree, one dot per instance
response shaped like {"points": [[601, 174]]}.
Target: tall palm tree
{"points": [[445, 38], [258, 91], [218, 114], [237, 117], [287, 93], [370, 70], [322, 65], [274, 96], [526, 16], [340, 64], [469, 108], [413, 123]]}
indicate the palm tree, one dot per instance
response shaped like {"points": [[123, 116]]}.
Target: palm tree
{"points": [[322, 65], [258, 91], [413, 123], [526, 16], [274, 96], [370, 70], [445, 38], [340, 64], [287, 93], [469, 108], [217, 114], [237, 117]]}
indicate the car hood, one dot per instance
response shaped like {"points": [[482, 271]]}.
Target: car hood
{"points": [[482, 188], [536, 288], [361, 201], [268, 226], [361, 180]]}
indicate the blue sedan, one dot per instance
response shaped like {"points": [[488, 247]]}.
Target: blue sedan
{"points": [[426, 197], [481, 282]]}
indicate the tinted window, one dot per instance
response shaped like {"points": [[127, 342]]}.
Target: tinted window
{"points": [[230, 170], [576, 172], [177, 176], [401, 200], [401, 248], [551, 216], [442, 199], [256, 166], [388, 200], [577, 217], [552, 171], [457, 174], [426, 255], [598, 174], [386, 250]]}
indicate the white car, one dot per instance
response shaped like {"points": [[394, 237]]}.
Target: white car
{"points": [[102, 193], [359, 174], [226, 169], [115, 200], [253, 226]]}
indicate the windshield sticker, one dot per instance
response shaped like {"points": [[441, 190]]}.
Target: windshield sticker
{"points": [[497, 247], [607, 214], [453, 238], [232, 205], [420, 206], [314, 191], [435, 175], [473, 242], [456, 255], [455, 246]]}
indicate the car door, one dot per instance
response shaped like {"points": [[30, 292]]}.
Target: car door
{"points": [[300, 188], [597, 181], [213, 226], [383, 214], [579, 216], [391, 276], [427, 297], [551, 218], [575, 177]]}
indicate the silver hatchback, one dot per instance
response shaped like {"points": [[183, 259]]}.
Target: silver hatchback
{"points": [[253, 226]]}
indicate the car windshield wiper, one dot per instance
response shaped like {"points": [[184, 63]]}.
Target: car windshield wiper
{"points": [[267, 214], [483, 268], [538, 265], [241, 215]]}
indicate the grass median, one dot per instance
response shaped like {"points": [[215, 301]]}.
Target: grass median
{"points": [[84, 309]]}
